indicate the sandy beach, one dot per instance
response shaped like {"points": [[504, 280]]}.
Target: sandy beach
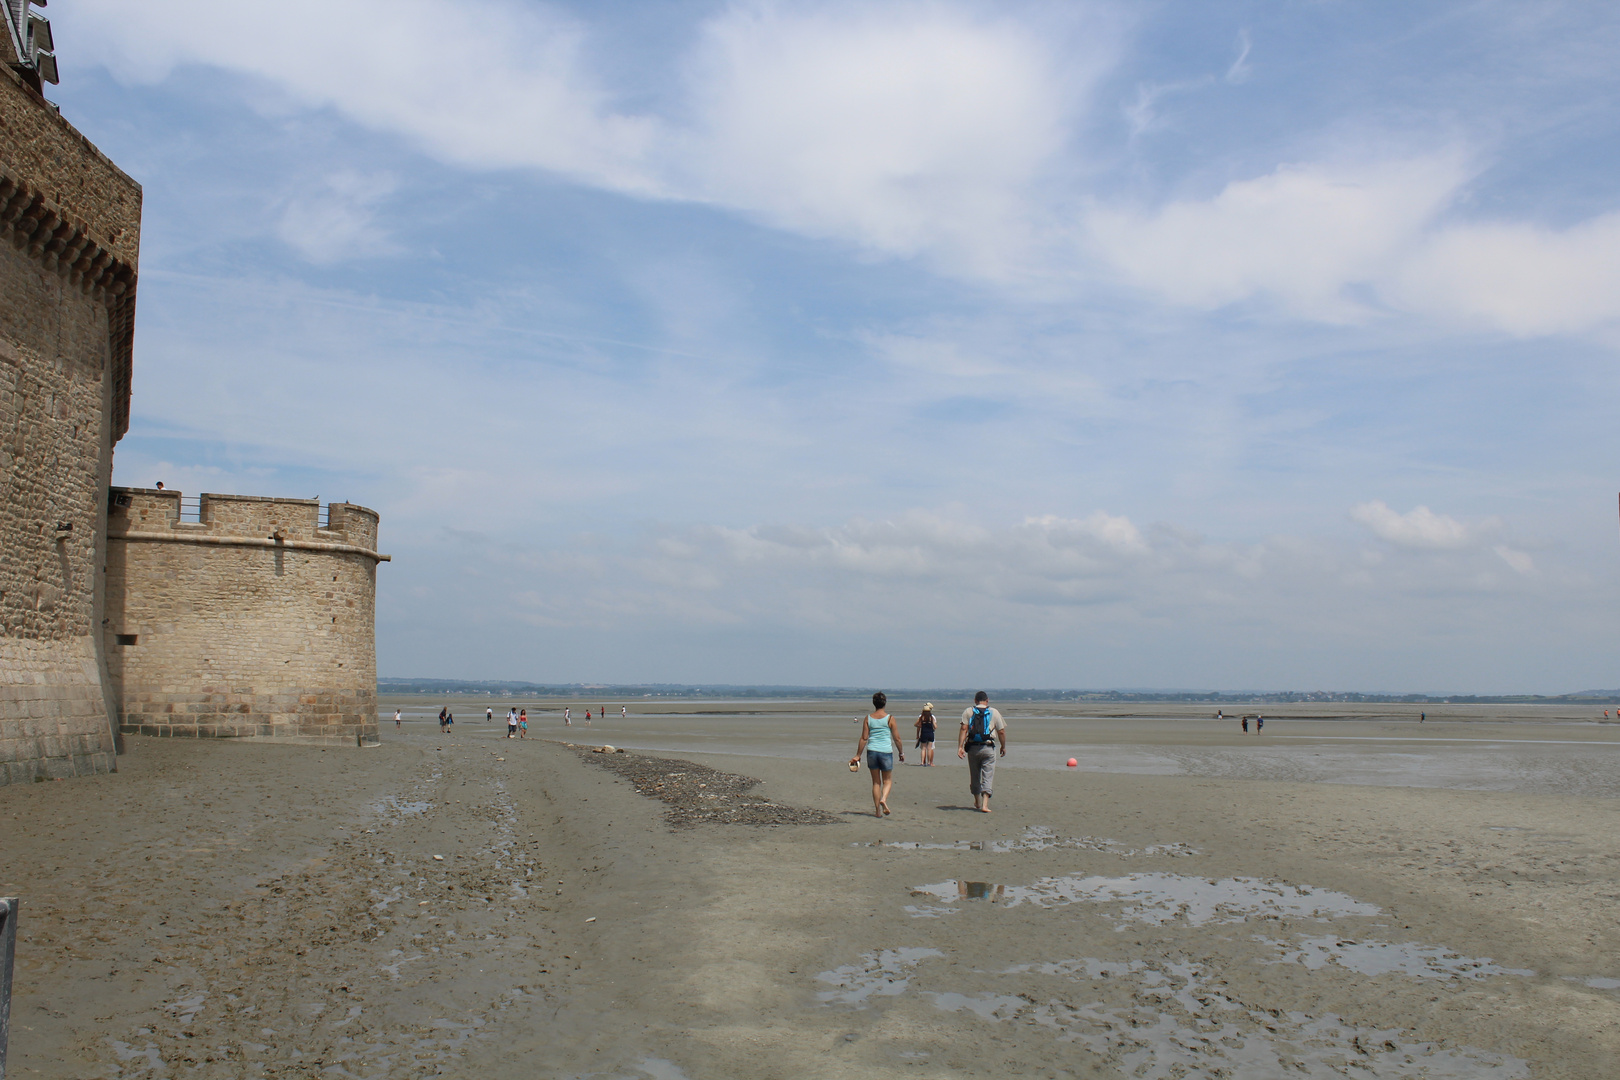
{"points": [[1361, 896]]}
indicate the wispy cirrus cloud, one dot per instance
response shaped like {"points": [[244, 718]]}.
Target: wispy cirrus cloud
{"points": [[336, 218]]}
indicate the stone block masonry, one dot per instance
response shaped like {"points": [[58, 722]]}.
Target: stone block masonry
{"points": [[69, 245], [258, 621]]}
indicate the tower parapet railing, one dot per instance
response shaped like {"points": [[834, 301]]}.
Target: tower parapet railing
{"points": [[165, 515]]}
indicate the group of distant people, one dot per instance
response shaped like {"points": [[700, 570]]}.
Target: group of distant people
{"points": [[1259, 721], [517, 720], [981, 740]]}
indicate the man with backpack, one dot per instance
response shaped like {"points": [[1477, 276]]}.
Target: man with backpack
{"points": [[982, 740]]}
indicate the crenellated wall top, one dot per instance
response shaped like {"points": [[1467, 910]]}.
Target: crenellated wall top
{"points": [[252, 520]]}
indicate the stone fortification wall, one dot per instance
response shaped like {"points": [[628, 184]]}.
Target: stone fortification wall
{"points": [[69, 240], [258, 621]]}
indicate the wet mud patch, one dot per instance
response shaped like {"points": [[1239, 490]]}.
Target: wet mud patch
{"points": [[1388, 958], [1162, 1019], [697, 794], [307, 948], [882, 973], [1157, 899]]}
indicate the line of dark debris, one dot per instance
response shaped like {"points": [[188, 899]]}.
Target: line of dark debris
{"points": [[697, 794]]}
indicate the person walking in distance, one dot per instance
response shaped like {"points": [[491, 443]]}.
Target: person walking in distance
{"points": [[983, 738], [523, 723], [444, 711], [511, 723], [925, 726], [568, 715], [880, 741], [489, 714], [396, 718]]}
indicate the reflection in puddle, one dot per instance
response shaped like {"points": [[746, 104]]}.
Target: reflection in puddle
{"points": [[980, 890], [1388, 958], [1168, 1021], [660, 1069], [1163, 898], [1040, 838], [987, 1006], [1596, 983], [879, 974]]}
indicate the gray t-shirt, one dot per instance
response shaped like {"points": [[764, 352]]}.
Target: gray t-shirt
{"points": [[994, 728]]}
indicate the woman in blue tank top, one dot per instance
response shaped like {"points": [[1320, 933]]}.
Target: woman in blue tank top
{"points": [[880, 741]]}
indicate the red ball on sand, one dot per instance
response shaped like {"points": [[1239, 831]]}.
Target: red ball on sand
{"points": [[1073, 763]]}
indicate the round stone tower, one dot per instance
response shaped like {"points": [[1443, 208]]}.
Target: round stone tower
{"points": [[256, 620]]}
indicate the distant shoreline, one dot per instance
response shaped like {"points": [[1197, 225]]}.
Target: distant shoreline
{"points": [[722, 691]]}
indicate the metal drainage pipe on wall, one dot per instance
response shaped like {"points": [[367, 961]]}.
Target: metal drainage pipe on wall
{"points": [[8, 954]]}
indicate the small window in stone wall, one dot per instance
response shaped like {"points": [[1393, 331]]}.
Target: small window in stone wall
{"points": [[127, 639]]}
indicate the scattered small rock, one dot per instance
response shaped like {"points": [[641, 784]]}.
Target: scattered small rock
{"points": [[699, 794]]}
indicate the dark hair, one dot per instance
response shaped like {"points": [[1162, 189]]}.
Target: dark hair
{"points": [[980, 696], [879, 700]]}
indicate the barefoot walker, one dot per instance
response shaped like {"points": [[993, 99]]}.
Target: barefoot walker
{"points": [[880, 740], [925, 726], [982, 728]]}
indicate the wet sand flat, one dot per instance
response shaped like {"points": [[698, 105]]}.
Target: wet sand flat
{"points": [[242, 911]]}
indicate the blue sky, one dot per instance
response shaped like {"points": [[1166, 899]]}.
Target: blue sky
{"points": [[1225, 345]]}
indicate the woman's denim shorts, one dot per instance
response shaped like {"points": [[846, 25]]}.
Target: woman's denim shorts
{"points": [[881, 762]]}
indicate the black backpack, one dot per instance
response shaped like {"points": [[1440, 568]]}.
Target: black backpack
{"points": [[979, 726]]}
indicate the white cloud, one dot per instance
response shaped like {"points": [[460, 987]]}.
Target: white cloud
{"points": [[947, 131], [335, 219], [1525, 279], [1423, 528], [1307, 235], [940, 598], [478, 83], [1519, 560], [929, 564], [917, 128], [1300, 235], [905, 128]]}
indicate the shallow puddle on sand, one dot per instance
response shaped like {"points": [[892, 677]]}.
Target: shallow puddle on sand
{"points": [[985, 1006], [884, 973], [393, 806], [1160, 898], [1387, 958], [1038, 838]]}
